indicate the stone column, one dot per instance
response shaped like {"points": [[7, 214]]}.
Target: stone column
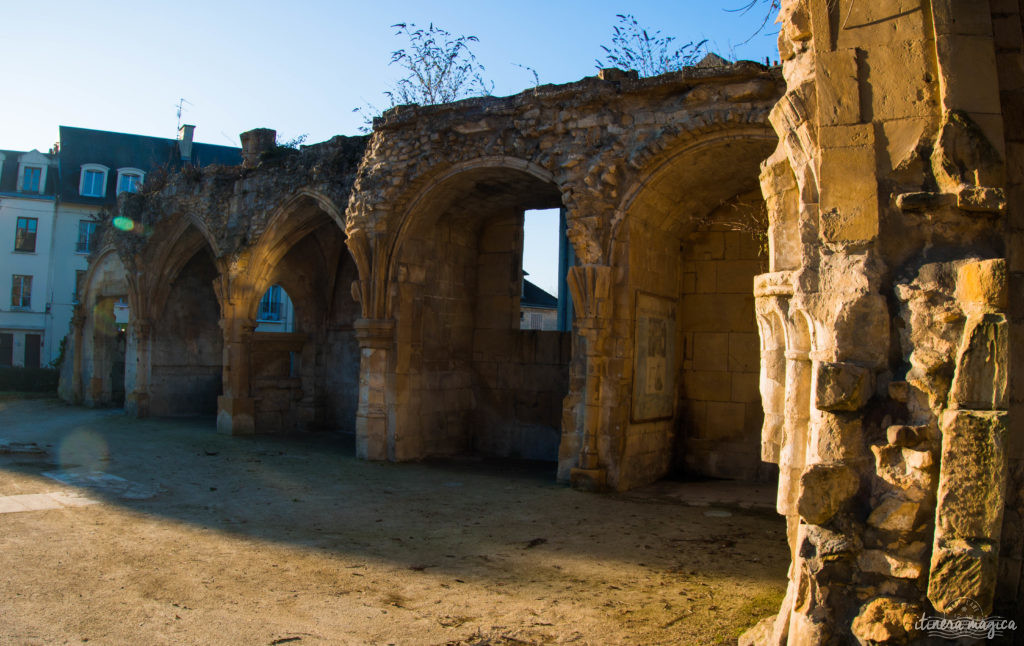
{"points": [[591, 289], [236, 408], [138, 400], [793, 454], [376, 342]]}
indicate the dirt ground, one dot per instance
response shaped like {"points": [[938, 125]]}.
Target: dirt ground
{"points": [[210, 539]]}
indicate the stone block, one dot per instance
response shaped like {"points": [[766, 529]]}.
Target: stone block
{"points": [[688, 283], [905, 435], [838, 90], [842, 386], [707, 312], [895, 515], [824, 489], [972, 476], [896, 83], [725, 419], [882, 562], [744, 352], [968, 71], [746, 388], [707, 276], [978, 199], [984, 284], [902, 139], [695, 417], [907, 470], [848, 210], [707, 245], [982, 367], [821, 542], [886, 620], [837, 438], [959, 570], [708, 386], [710, 351]]}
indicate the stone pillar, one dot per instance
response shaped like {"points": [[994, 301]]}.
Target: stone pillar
{"points": [[591, 290], [793, 454], [374, 440], [137, 402], [236, 408], [254, 143]]}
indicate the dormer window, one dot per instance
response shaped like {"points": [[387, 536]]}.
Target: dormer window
{"points": [[32, 172], [129, 180], [93, 182], [30, 178]]}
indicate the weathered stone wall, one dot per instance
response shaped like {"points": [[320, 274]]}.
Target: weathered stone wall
{"points": [[337, 358], [883, 318], [623, 156], [518, 409], [187, 348], [91, 351], [887, 315], [723, 418]]}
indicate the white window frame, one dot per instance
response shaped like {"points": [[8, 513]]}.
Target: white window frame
{"points": [[90, 241], [21, 177], [121, 172], [32, 159], [15, 279], [99, 168]]}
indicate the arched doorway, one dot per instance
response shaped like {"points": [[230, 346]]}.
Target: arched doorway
{"points": [[186, 352], [304, 357], [468, 379], [693, 237], [103, 369]]}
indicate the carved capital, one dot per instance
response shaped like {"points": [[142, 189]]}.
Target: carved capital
{"points": [[590, 286], [375, 333]]}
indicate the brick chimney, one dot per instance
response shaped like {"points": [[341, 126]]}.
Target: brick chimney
{"points": [[185, 133], [254, 143]]}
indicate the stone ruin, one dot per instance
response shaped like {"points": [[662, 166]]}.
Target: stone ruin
{"points": [[867, 351]]}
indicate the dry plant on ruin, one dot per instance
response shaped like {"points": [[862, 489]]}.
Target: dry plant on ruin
{"points": [[440, 68], [648, 52]]}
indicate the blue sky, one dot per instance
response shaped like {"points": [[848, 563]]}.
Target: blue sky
{"points": [[299, 67]]}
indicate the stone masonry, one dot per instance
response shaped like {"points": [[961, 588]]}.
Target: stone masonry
{"points": [[848, 329], [887, 316], [402, 254]]}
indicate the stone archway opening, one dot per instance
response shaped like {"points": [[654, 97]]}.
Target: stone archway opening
{"points": [[469, 379], [186, 354], [304, 356], [694, 237], [107, 337], [102, 344]]}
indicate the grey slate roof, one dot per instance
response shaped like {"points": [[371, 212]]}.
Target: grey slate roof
{"points": [[9, 175], [115, 150], [534, 296]]}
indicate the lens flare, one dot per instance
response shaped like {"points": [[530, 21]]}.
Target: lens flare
{"points": [[104, 319], [123, 223], [84, 449]]}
